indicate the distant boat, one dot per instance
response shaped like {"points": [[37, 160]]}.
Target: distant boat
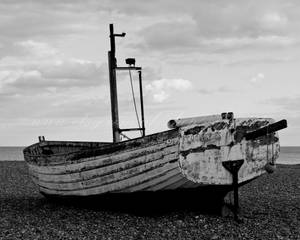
{"points": [[217, 150]]}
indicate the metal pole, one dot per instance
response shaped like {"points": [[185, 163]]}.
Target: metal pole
{"points": [[142, 103], [113, 86]]}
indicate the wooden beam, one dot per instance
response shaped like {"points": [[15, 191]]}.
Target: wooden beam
{"points": [[129, 68], [274, 127]]}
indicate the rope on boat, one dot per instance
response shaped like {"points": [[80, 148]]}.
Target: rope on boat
{"points": [[134, 102]]}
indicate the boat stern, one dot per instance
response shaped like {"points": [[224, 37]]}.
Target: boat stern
{"points": [[205, 149]]}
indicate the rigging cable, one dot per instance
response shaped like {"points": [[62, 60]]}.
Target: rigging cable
{"points": [[134, 102]]}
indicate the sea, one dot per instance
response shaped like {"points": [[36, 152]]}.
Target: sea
{"points": [[288, 155]]}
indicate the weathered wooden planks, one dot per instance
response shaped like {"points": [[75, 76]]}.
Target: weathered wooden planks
{"points": [[166, 182], [98, 170], [104, 160], [109, 169], [147, 183], [187, 157], [115, 185], [68, 157], [98, 180]]}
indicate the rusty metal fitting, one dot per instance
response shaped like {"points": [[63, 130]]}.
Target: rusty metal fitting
{"points": [[223, 115], [230, 116]]}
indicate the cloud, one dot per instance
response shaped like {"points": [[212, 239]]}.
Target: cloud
{"points": [[36, 49], [204, 26], [260, 59], [44, 19], [36, 67], [274, 20], [258, 78], [182, 37], [47, 77], [221, 89], [162, 89], [27, 48], [41, 81], [204, 91], [286, 103], [226, 44], [218, 27], [160, 96], [74, 69], [169, 35]]}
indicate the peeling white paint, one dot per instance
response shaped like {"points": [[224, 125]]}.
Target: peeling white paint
{"points": [[201, 154]]}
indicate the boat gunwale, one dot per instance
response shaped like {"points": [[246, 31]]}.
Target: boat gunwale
{"points": [[105, 146]]}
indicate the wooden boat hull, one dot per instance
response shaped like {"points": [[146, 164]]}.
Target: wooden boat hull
{"points": [[186, 157]]}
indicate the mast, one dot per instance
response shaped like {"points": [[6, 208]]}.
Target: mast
{"points": [[112, 66]]}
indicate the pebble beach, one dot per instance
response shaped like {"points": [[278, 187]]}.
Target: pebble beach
{"points": [[270, 209]]}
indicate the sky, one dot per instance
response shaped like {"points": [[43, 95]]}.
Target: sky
{"points": [[199, 57]]}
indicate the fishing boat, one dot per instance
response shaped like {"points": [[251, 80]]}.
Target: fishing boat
{"points": [[216, 150]]}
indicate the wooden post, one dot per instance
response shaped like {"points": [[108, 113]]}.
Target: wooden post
{"points": [[233, 167], [112, 64]]}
